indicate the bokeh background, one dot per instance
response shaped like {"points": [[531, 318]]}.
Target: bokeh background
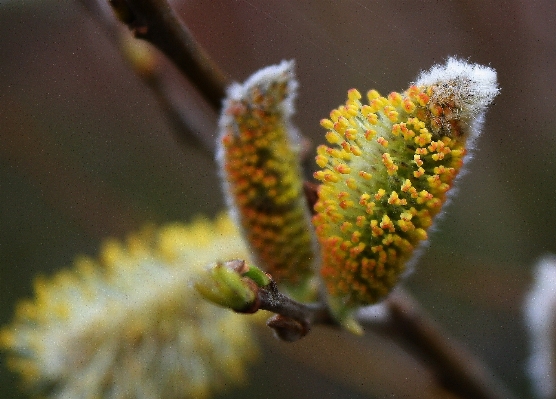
{"points": [[86, 152]]}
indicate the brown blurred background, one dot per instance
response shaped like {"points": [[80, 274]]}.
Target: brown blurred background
{"points": [[86, 152]]}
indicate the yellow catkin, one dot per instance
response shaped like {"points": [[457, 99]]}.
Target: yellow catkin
{"points": [[261, 173], [130, 324], [412, 146]]}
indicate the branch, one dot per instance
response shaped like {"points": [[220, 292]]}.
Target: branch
{"points": [[156, 22], [456, 369], [293, 320], [155, 75], [246, 289]]}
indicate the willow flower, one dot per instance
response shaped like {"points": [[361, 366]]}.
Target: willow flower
{"points": [[387, 173], [131, 325], [258, 155]]}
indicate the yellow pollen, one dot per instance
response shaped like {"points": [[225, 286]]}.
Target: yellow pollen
{"points": [[342, 168], [369, 134], [437, 157], [387, 224], [390, 166], [355, 237], [350, 134], [364, 199], [372, 94], [395, 98], [342, 195], [417, 159], [321, 160], [346, 226], [355, 150], [350, 182], [360, 221], [353, 94], [418, 173], [382, 141], [366, 110], [408, 105], [406, 185], [335, 115], [321, 150], [365, 175], [380, 193], [333, 138], [372, 119], [327, 124], [330, 177]]}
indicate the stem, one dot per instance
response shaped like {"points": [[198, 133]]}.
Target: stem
{"points": [[403, 321], [156, 22], [168, 97], [158, 79], [293, 320], [456, 369]]}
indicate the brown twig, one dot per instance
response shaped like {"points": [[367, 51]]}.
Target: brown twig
{"points": [[400, 319], [157, 77], [293, 320], [456, 369], [156, 22]]}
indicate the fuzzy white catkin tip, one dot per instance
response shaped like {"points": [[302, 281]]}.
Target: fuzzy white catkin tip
{"points": [[264, 79], [540, 317], [470, 87]]}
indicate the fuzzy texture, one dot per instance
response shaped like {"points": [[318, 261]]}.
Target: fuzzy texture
{"points": [[466, 89], [540, 311], [261, 173], [387, 174], [130, 325]]}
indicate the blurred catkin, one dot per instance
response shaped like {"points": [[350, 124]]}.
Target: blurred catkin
{"points": [[130, 325]]}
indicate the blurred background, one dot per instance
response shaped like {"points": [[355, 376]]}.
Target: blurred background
{"points": [[86, 152]]}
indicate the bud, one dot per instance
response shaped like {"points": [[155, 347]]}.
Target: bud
{"points": [[232, 285], [258, 155], [387, 173]]}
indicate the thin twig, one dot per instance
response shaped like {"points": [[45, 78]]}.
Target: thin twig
{"points": [[156, 22], [293, 320], [158, 79], [166, 93], [398, 318], [456, 368]]}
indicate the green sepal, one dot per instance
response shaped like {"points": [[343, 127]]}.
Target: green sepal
{"points": [[257, 275]]}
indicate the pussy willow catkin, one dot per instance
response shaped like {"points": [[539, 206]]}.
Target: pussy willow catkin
{"points": [[130, 325], [261, 173], [387, 172]]}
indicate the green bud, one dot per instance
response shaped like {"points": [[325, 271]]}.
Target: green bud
{"points": [[225, 287], [257, 275]]}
